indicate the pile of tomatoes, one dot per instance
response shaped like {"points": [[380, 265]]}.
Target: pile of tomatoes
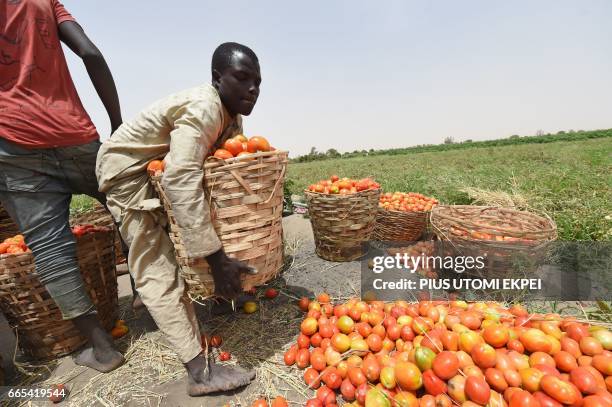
{"points": [[406, 202], [440, 354], [239, 146], [343, 186], [13, 245], [16, 244], [80, 230], [279, 401]]}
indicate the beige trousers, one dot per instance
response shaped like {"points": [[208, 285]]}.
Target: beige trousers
{"points": [[152, 263]]}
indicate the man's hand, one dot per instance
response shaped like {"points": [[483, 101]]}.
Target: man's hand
{"points": [[226, 274]]}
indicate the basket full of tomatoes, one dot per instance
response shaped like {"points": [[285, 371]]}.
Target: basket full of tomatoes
{"points": [[402, 217], [243, 182], [510, 237], [342, 214], [43, 334], [99, 216]]}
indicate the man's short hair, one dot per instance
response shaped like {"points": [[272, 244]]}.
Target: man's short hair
{"points": [[222, 57]]}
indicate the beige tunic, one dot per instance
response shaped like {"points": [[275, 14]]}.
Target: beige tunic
{"points": [[183, 128]]}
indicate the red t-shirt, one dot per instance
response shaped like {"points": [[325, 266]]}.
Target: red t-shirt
{"points": [[39, 105]]}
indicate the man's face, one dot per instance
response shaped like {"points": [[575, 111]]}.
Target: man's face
{"points": [[238, 84]]}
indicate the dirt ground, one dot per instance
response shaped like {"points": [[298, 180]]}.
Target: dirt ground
{"points": [[153, 377]]}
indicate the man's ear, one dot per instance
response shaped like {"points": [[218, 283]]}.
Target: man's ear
{"points": [[216, 78]]}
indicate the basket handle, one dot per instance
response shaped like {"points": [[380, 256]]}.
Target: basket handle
{"points": [[278, 182], [242, 182]]}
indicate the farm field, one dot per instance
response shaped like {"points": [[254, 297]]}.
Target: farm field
{"points": [[570, 181]]}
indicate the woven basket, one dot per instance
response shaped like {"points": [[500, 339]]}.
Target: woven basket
{"points": [[342, 223], [246, 203], [8, 228], [42, 334], [399, 226], [99, 216], [502, 233]]}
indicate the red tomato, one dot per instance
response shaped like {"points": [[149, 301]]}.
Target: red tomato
{"points": [[223, 154], [303, 341], [583, 380], [234, 146], [477, 390], [496, 379], [356, 376], [216, 341], [303, 358], [559, 390], [347, 389], [545, 400], [314, 403], [311, 378], [433, 384], [522, 398], [279, 402], [445, 365], [565, 361], [271, 293], [290, 355]]}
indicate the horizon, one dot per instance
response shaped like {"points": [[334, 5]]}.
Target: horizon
{"points": [[357, 76]]}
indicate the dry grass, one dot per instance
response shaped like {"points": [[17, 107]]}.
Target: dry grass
{"points": [[479, 196]]}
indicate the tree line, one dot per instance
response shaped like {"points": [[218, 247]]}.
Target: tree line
{"points": [[451, 144]]}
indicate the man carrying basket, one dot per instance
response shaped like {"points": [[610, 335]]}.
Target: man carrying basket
{"points": [[184, 128]]}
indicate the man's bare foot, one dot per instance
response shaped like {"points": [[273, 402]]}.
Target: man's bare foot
{"points": [[101, 354], [103, 362], [217, 378], [137, 302]]}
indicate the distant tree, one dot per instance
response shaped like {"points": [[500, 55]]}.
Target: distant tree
{"points": [[332, 153], [561, 132], [514, 137], [313, 151], [449, 140], [540, 133], [468, 140]]}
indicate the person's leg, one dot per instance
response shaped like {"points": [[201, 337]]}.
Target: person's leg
{"points": [[42, 217], [38, 202], [156, 274], [78, 164]]}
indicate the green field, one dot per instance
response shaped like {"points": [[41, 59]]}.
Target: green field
{"points": [[571, 181]]}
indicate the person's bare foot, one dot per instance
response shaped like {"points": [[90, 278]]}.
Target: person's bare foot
{"points": [[102, 362], [217, 378], [100, 354], [137, 302]]}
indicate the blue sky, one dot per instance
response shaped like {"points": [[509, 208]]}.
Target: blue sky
{"points": [[358, 75]]}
